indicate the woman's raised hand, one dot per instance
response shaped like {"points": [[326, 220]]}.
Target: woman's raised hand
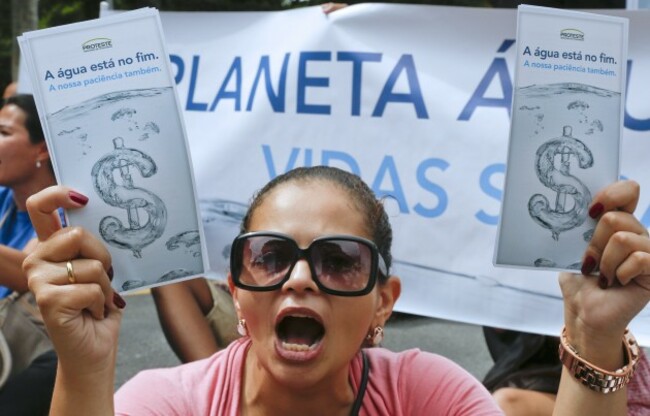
{"points": [[332, 7], [70, 273], [598, 309]]}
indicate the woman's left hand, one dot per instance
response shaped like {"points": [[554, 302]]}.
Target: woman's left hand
{"points": [[597, 309]]}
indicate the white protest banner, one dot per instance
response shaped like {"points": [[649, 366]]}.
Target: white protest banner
{"points": [[415, 99], [565, 134], [108, 106]]}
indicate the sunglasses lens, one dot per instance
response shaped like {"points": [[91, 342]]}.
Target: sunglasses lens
{"points": [[342, 265], [265, 260]]}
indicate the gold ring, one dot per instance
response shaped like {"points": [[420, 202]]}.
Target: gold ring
{"points": [[71, 277]]}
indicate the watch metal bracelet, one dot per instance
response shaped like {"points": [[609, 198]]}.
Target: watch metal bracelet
{"points": [[596, 378]]}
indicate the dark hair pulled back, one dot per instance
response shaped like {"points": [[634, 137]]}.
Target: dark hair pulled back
{"points": [[32, 123], [361, 196]]}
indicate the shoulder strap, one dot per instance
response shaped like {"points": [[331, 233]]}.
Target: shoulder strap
{"points": [[362, 386]]}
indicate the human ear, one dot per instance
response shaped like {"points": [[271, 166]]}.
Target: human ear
{"points": [[235, 293], [388, 294], [42, 155]]}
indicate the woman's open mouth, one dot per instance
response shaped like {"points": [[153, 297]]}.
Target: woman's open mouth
{"points": [[299, 336]]}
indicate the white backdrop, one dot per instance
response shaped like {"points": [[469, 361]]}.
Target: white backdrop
{"points": [[415, 99]]}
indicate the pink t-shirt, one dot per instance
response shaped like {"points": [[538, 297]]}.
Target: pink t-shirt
{"points": [[406, 383], [638, 391]]}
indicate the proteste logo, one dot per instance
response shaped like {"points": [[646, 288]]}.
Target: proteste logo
{"points": [[572, 34], [96, 44]]}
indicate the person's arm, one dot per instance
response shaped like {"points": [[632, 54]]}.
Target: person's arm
{"points": [[69, 273], [181, 310], [11, 272], [597, 309], [332, 7], [604, 351]]}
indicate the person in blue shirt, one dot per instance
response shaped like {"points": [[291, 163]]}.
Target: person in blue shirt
{"points": [[25, 169]]}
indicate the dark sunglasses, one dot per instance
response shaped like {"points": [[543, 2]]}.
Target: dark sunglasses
{"points": [[340, 264]]}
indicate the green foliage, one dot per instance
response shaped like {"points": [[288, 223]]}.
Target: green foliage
{"points": [[56, 12], [5, 43]]}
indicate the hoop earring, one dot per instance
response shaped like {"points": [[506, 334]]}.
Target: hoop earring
{"points": [[241, 328], [38, 164], [375, 337]]}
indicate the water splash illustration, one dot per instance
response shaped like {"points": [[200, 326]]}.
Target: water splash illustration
{"points": [[88, 132], [595, 126], [94, 104], [149, 128], [132, 284], [174, 274], [123, 113], [65, 132], [542, 262], [578, 105], [191, 240], [222, 210]]}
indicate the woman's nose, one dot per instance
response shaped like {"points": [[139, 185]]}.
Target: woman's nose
{"points": [[301, 279]]}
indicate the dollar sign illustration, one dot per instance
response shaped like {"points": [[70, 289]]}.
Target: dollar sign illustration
{"points": [[561, 218], [129, 197]]}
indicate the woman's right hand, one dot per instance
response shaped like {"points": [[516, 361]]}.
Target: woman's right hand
{"points": [[82, 314]]}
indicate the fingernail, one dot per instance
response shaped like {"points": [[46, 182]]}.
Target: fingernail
{"points": [[602, 282], [78, 198], [118, 301], [596, 210], [588, 265], [109, 272]]}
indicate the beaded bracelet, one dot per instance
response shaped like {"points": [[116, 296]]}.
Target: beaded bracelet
{"points": [[596, 378]]}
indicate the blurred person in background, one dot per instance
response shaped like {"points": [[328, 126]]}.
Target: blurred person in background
{"points": [[526, 374], [24, 170]]}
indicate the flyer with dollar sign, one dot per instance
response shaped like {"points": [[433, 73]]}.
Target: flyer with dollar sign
{"points": [[114, 129], [565, 134]]}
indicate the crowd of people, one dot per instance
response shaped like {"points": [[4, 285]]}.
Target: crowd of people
{"points": [[297, 328]]}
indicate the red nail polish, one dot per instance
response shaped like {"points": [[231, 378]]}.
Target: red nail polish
{"points": [[118, 301], [602, 282], [596, 210], [78, 198], [109, 272], [588, 265]]}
